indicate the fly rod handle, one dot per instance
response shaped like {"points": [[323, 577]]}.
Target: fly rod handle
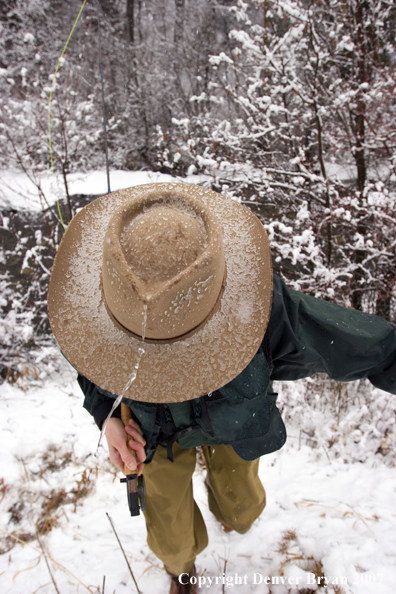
{"points": [[126, 415]]}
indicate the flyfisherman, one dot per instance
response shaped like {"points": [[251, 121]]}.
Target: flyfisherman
{"points": [[185, 274]]}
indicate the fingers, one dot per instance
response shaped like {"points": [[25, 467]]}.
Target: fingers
{"points": [[116, 459], [132, 459], [118, 440], [137, 435], [128, 458], [137, 444], [138, 449], [133, 425]]}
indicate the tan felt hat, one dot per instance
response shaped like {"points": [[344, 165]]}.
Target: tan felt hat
{"points": [[181, 272]]}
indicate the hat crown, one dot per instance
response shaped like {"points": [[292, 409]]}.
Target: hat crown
{"points": [[163, 264], [161, 242]]}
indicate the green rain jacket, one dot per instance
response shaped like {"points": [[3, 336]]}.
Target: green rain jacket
{"points": [[305, 336]]}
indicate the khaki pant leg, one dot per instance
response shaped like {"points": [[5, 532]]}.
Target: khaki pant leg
{"points": [[176, 532], [236, 495]]}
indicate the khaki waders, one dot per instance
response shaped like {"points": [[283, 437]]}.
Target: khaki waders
{"points": [[176, 531]]}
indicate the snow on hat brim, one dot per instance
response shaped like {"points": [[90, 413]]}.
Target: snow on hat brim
{"points": [[169, 371]]}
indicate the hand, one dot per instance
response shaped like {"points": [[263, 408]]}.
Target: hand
{"points": [[117, 438]]}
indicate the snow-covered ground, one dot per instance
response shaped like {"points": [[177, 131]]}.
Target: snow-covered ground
{"points": [[324, 517], [21, 192]]}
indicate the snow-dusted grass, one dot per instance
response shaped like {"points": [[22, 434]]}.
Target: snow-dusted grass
{"points": [[326, 515]]}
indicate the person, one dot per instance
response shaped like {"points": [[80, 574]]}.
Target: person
{"points": [[164, 293]]}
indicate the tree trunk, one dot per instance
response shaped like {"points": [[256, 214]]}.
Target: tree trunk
{"points": [[130, 21], [362, 50], [360, 131], [179, 22], [383, 304]]}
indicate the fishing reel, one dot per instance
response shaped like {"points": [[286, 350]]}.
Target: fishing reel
{"points": [[135, 492]]}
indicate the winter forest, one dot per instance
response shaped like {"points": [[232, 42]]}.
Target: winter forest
{"points": [[287, 106]]}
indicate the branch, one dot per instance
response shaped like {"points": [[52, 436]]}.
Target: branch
{"points": [[123, 552]]}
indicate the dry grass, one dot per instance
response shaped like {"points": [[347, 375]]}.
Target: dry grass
{"points": [[3, 489], [291, 551], [33, 510], [9, 541], [49, 516], [53, 459], [52, 506], [284, 544], [23, 375]]}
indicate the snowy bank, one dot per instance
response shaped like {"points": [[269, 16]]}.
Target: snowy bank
{"points": [[21, 192]]}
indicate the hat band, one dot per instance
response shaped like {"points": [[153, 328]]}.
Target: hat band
{"points": [[164, 340]]}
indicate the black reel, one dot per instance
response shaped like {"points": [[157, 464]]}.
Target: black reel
{"points": [[135, 492]]}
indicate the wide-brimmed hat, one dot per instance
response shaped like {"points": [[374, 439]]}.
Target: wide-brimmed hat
{"points": [[165, 287]]}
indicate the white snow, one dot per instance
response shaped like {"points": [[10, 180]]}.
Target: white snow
{"points": [[18, 191], [322, 514]]}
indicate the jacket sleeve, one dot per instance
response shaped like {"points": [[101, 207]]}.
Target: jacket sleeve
{"points": [[309, 335], [96, 402]]}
